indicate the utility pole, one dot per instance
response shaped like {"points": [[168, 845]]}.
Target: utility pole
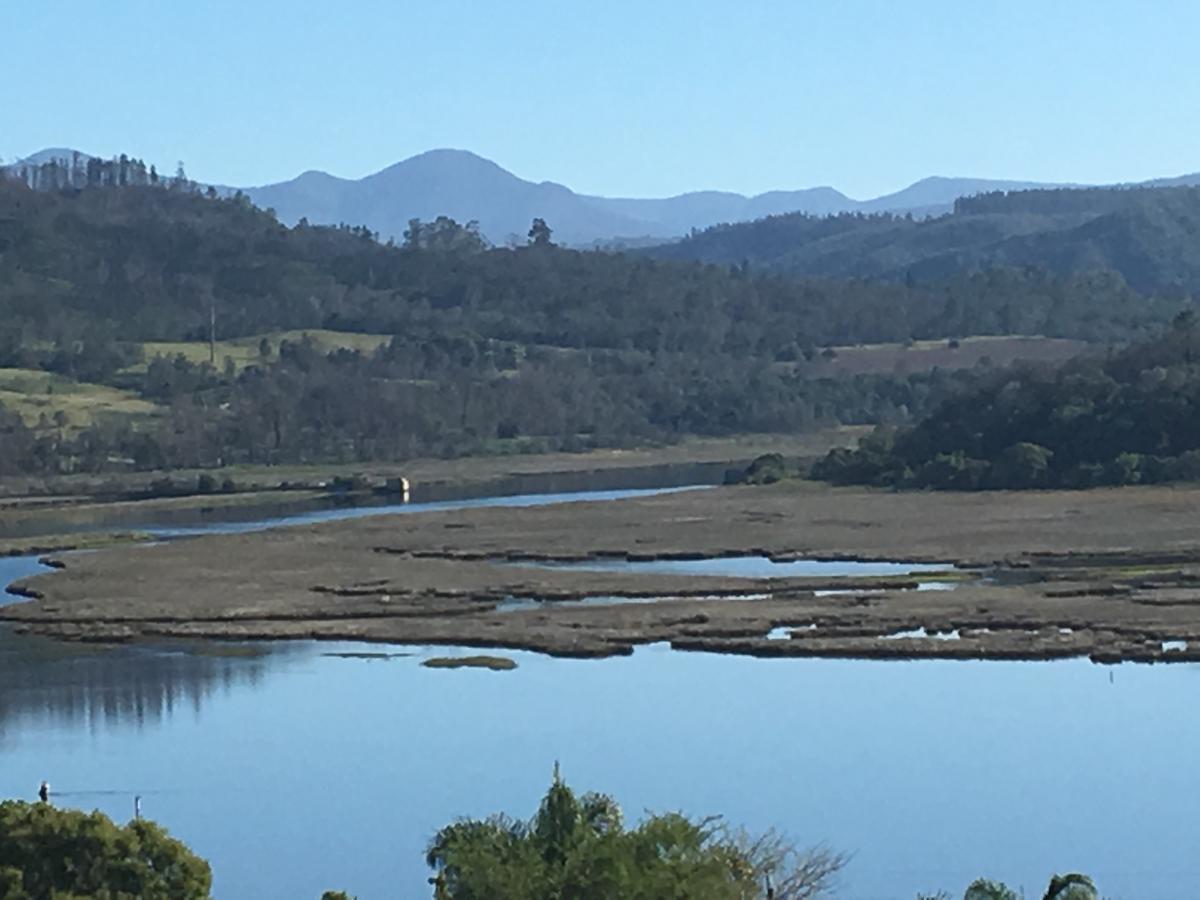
{"points": [[212, 334]]}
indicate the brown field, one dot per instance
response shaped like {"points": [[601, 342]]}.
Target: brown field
{"points": [[923, 356], [1110, 574]]}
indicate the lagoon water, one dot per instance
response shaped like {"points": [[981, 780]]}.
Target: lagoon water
{"points": [[752, 567], [295, 771]]}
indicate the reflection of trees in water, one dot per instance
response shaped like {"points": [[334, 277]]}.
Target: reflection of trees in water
{"points": [[114, 687]]}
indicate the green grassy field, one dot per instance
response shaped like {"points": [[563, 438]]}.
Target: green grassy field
{"points": [[245, 351], [46, 400], [65, 403]]}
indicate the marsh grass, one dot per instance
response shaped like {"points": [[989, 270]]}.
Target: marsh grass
{"points": [[495, 663]]}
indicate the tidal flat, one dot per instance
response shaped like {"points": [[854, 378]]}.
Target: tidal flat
{"points": [[1108, 574]]}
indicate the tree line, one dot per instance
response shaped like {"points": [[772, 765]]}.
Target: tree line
{"points": [[1144, 235], [1125, 417], [573, 846]]}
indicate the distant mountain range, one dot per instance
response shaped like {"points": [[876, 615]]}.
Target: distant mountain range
{"points": [[466, 187]]}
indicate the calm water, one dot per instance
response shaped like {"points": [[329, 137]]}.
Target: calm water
{"points": [[296, 771], [360, 512], [514, 490], [751, 567]]}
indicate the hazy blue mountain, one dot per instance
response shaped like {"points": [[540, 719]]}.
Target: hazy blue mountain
{"points": [[50, 153], [467, 187], [452, 183], [1192, 180], [936, 195], [44, 156], [678, 215]]}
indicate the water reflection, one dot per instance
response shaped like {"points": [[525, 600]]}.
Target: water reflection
{"points": [[933, 773], [47, 684], [51, 684]]}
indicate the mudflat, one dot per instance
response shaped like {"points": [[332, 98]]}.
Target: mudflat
{"points": [[1110, 574]]}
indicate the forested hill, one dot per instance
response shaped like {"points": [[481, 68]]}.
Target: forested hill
{"points": [[440, 344], [144, 263], [1126, 418], [1151, 236]]}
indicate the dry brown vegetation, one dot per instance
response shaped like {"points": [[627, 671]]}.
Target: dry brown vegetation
{"points": [[1111, 574], [923, 356]]}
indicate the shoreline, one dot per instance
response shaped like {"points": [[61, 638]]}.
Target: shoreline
{"points": [[85, 504]]}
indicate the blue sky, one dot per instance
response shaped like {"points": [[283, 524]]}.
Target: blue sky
{"points": [[641, 98]]}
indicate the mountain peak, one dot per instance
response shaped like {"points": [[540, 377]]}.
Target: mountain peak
{"points": [[51, 153]]}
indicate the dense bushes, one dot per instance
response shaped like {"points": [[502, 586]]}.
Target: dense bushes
{"points": [[1131, 418], [579, 846], [46, 852]]}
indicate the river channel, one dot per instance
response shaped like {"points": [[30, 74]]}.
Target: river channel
{"points": [[300, 767]]}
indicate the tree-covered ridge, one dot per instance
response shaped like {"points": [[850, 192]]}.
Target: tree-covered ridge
{"points": [[144, 263], [1147, 235], [1126, 418], [479, 349]]}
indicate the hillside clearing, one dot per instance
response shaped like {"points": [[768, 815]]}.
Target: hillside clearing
{"points": [[923, 356], [33, 394], [246, 351]]}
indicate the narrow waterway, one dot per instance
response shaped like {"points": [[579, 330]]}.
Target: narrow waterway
{"points": [[294, 769]]}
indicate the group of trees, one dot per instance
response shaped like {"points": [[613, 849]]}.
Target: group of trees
{"points": [[580, 846], [1125, 418], [52, 854], [453, 395], [79, 171], [1073, 886], [575, 846]]}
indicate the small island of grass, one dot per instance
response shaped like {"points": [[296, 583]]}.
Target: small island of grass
{"points": [[495, 663]]}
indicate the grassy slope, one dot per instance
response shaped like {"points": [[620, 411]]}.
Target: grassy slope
{"points": [[31, 393], [245, 351]]}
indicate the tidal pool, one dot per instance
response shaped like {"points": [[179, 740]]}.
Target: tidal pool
{"points": [[340, 513], [751, 567]]}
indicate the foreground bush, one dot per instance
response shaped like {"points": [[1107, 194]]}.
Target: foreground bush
{"points": [[1062, 887], [47, 852], [578, 846]]}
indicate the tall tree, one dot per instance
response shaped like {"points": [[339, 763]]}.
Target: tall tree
{"points": [[539, 234]]}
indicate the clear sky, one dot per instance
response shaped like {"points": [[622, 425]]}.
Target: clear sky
{"points": [[617, 97]]}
